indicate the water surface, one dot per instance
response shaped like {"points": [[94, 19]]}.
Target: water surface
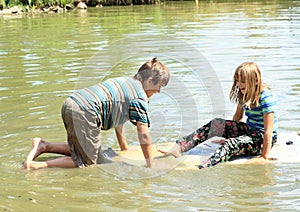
{"points": [[45, 57]]}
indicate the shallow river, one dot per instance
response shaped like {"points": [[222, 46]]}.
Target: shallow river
{"points": [[43, 58]]}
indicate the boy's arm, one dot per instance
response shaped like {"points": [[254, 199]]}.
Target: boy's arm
{"points": [[121, 138], [145, 142]]}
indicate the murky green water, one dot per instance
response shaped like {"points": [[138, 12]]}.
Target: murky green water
{"points": [[44, 58]]}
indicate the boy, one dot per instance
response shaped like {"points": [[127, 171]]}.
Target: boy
{"points": [[101, 107]]}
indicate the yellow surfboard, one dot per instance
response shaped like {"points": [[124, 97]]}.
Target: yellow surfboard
{"points": [[286, 150]]}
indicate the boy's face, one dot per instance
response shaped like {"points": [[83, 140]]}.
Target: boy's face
{"points": [[150, 88]]}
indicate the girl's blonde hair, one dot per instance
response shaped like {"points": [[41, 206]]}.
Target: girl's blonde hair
{"points": [[155, 69], [248, 73]]}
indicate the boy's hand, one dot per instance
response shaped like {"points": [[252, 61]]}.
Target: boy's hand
{"points": [[145, 142]]}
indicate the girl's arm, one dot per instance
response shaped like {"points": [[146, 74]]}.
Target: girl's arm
{"points": [[268, 126], [121, 138], [145, 142], [239, 114]]}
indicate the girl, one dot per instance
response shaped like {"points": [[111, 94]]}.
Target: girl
{"points": [[255, 137]]}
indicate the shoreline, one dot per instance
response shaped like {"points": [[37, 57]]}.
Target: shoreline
{"points": [[19, 10], [60, 7]]}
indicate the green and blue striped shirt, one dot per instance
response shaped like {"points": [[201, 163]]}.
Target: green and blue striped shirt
{"points": [[267, 104], [115, 101]]}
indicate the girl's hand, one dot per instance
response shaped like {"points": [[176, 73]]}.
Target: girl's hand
{"points": [[260, 160], [175, 151]]}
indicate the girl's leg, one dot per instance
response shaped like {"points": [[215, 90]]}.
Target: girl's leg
{"points": [[242, 145], [217, 127], [64, 162]]}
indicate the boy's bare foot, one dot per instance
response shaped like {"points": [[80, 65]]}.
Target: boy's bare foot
{"points": [[34, 165], [298, 132], [175, 151], [28, 164], [38, 147]]}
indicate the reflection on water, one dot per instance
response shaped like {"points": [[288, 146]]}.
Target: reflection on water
{"points": [[44, 58]]}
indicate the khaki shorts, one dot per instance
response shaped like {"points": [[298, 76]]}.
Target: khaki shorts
{"points": [[83, 130]]}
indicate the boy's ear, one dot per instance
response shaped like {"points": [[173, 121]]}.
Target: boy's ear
{"points": [[149, 80]]}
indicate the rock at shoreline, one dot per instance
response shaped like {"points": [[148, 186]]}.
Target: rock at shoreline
{"points": [[2, 4], [81, 6], [9, 11]]}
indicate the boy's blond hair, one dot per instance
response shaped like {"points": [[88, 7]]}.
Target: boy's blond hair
{"points": [[155, 69], [249, 73]]}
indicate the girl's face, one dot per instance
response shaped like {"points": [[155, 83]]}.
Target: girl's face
{"points": [[241, 85]]}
